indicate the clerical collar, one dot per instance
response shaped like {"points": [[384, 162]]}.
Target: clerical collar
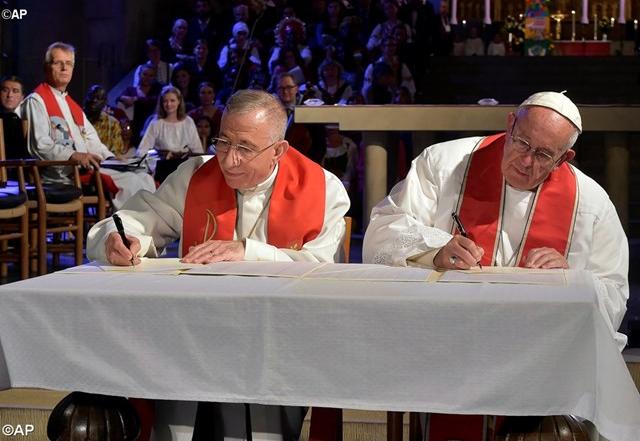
{"points": [[263, 186], [58, 91]]}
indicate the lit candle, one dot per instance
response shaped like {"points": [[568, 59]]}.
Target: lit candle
{"points": [[573, 25], [613, 22], [520, 16], [464, 23], [595, 26], [585, 11], [487, 12], [635, 25], [454, 12], [621, 15]]}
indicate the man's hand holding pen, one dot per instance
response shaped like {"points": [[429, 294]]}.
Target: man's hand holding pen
{"points": [[460, 252], [118, 254]]}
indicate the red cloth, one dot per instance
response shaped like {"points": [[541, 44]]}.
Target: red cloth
{"points": [[480, 210], [53, 109], [107, 181], [298, 194]]}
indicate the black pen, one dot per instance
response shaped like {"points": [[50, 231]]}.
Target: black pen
{"points": [[120, 228], [463, 232]]}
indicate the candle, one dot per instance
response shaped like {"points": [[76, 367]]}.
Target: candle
{"points": [[520, 16], [573, 25], [635, 25], [454, 12], [595, 26], [613, 22], [464, 23], [487, 12], [585, 11], [621, 16]]}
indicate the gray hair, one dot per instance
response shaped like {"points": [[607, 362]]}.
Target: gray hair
{"points": [[48, 56], [249, 100]]}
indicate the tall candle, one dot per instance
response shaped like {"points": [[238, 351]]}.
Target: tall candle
{"points": [[635, 25], [585, 11], [595, 26], [454, 12], [487, 11], [573, 25], [621, 15]]}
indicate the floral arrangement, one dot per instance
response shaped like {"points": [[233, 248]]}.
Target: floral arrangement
{"points": [[515, 27], [604, 25]]}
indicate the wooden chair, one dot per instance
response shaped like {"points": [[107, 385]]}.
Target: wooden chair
{"points": [[346, 244], [14, 218], [56, 210]]}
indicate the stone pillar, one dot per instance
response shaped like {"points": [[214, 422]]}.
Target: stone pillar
{"points": [[375, 174], [617, 173]]}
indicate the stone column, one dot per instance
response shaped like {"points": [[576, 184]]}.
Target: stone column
{"points": [[375, 174], [617, 173]]}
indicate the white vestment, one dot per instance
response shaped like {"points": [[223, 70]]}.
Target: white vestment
{"points": [[156, 219], [415, 220], [176, 136], [59, 142]]}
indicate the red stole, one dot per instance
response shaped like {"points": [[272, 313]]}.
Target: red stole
{"points": [[550, 223], [296, 208], [53, 109]]}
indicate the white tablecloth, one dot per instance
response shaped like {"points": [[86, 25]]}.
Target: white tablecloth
{"points": [[436, 347]]}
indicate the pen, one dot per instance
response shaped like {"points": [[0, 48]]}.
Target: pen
{"points": [[460, 227], [120, 228]]}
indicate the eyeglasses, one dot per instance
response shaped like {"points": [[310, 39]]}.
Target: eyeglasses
{"points": [[60, 64], [542, 157], [286, 88], [245, 153]]}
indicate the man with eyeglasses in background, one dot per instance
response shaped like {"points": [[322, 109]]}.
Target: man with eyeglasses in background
{"points": [[519, 200], [59, 130]]}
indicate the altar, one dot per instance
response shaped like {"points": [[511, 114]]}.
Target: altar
{"points": [[586, 48]]}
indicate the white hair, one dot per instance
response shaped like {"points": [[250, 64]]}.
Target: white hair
{"points": [[249, 100]]}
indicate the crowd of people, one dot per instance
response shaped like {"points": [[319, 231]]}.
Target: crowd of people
{"points": [[331, 52]]}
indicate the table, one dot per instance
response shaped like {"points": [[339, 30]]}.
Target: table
{"points": [[402, 346]]}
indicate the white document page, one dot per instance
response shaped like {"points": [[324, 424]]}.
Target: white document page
{"points": [[267, 269], [369, 272], [503, 274]]}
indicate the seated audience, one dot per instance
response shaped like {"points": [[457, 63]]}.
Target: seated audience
{"points": [[291, 33], [202, 67], [107, 127], [177, 47], [182, 79], [402, 76], [204, 125], [332, 88], [59, 129], [497, 47], [240, 40], [139, 101], [473, 45], [154, 55], [11, 94], [172, 134], [208, 108], [384, 30]]}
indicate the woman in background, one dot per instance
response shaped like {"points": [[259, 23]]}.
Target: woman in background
{"points": [[172, 134]]}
